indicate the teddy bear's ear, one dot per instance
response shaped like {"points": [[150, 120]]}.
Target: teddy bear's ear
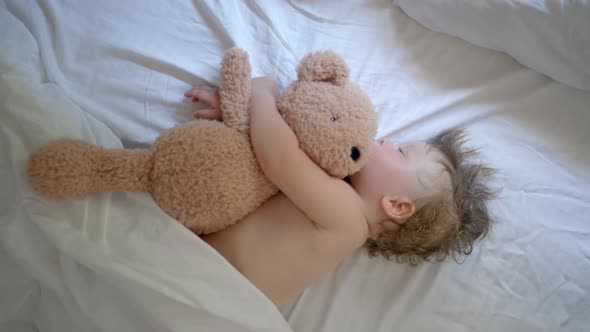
{"points": [[324, 66]]}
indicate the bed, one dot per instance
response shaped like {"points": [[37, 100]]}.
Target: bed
{"points": [[114, 73]]}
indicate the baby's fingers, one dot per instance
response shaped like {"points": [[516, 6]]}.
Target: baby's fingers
{"points": [[195, 94], [208, 114], [204, 94]]}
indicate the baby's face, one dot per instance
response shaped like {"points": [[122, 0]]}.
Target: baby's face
{"points": [[410, 170]]}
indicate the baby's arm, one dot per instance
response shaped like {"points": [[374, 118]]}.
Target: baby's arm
{"points": [[329, 202]]}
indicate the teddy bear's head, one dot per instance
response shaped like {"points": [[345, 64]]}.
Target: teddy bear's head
{"points": [[331, 116]]}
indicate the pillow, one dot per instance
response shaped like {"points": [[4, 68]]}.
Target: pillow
{"points": [[551, 37]]}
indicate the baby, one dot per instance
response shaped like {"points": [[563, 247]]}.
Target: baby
{"points": [[416, 201]]}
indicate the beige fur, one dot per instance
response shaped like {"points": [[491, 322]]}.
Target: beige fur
{"points": [[204, 173]]}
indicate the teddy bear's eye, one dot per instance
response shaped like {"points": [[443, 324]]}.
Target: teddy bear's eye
{"points": [[333, 119]]}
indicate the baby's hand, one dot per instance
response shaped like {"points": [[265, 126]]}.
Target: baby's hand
{"points": [[208, 95]]}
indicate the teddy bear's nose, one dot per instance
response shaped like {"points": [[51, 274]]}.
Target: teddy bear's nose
{"points": [[355, 154]]}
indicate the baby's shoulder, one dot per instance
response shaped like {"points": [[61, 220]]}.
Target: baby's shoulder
{"points": [[351, 234], [280, 216]]}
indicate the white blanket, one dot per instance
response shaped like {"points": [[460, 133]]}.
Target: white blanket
{"points": [[110, 70], [112, 262]]}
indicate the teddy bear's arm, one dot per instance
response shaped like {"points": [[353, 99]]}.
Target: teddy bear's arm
{"points": [[234, 89]]}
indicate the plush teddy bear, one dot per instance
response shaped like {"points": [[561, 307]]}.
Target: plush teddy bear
{"points": [[204, 173]]}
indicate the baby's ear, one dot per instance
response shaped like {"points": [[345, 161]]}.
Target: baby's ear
{"points": [[398, 208], [324, 66]]}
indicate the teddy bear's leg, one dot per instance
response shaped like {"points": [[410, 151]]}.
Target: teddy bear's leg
{"points": [[71, 168], [234, 89], [205, 175]]}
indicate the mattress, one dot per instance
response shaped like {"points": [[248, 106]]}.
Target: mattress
{"points": [[125, 66]]}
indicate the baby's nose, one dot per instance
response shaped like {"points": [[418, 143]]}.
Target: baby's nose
{"points": [[389, 143], [355, 154], [384, 141]]}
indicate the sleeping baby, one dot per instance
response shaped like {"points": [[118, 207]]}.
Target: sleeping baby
{"points": [[412, 202]]}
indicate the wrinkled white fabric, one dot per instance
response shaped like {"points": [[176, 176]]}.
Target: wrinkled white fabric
{"points": [[113, 72], [551, 37]]}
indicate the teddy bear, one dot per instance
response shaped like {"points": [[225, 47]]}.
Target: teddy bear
{"points": [[204, 173]]}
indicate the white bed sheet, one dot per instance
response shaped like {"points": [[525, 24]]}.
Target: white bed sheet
{"points": [[107, 262], [127, 63]]}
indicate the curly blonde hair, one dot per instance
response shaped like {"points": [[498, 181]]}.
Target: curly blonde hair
{"points": [[450, 222]]}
